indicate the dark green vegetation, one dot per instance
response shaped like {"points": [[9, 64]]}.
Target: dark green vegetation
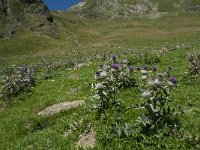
{"points": [[81, 40]]}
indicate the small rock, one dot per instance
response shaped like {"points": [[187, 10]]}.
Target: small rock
{"points": [[56, 108]]}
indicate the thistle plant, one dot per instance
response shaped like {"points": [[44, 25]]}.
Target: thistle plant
{"points": [[157, 107], [157, 110], [194, 65], [18, 79], [110, 78]]}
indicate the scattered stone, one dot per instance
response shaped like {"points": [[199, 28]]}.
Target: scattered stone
{"points": [[87, 140], [56, 108]]}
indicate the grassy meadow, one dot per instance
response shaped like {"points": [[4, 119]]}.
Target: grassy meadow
{"points": [[82, 41]]}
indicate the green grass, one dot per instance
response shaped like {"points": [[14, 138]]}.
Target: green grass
{"points": [[22, 128], [21, 125], [84, 36]]}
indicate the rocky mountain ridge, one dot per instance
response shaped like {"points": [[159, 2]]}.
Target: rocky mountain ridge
{"points": [[33, 15]]}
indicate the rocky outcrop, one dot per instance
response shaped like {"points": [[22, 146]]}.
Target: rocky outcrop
{"points": [[40, 8], [30, 14]]}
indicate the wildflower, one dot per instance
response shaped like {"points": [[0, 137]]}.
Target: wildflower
{"points": [[131, 68], [144, 77], [144, 70], [169, 68], [154, 68], [151, 83], [146, 94], [172, 81], [124, 61], [101, 66], [114, 58], [159, 79], [99, 86], [97, 75], [115, 66], [158, 82], [103, 74]]}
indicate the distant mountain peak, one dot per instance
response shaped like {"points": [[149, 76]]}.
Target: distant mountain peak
{"points": [[77, 6]]}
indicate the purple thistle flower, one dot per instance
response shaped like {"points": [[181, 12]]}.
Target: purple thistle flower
{"points": [[154, 68], [115, 66], [131, 68], [114, 58], [144, 68], [97, 73], [173, 80], [169, 68]]}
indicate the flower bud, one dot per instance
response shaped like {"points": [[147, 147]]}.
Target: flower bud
{"points": [[144, 72], [146, 94], [131, 68], [158, 82], [99, 86], [151, 83], [103, 74], [172, 81], [144, 77]]}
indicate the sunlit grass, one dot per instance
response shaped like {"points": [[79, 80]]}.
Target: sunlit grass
{"points": [[22, 128]]}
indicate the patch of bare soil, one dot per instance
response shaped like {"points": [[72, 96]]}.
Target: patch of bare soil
{"points": [[87, 140], [74, 91]]}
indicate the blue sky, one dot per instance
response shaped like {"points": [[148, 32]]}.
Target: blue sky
{"points": [[60, 4]]}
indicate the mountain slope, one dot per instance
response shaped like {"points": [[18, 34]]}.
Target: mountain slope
{"points": [[139, 8]]}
